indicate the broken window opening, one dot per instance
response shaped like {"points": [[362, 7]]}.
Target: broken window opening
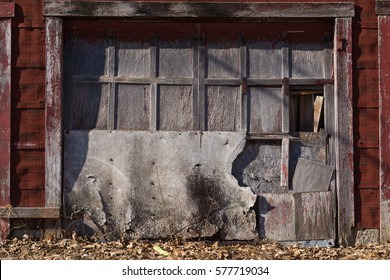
{"points": [[307, 109]]}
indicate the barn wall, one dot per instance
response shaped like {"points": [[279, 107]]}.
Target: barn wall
{"points": [[28, 102]]}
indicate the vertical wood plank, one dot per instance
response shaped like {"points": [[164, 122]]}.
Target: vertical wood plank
{"points": [[201, 84], [344, 130], [284, 172], [195, 84], [384, 113], [242, 126], [110, 62], [53, 122], [286, 106], [5, 110], [153, 58]]}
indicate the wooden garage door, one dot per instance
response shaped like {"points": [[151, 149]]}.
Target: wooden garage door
{"points": [[271, 80]]}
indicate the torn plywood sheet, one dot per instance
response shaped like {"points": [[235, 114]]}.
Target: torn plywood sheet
{"points": [[311, 176], [152, 185]]}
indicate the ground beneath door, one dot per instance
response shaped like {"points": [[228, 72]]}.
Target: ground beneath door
{"points": [[79, 248]]}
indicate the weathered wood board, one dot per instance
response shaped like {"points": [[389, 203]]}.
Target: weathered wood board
{"points": [[311, 176]]}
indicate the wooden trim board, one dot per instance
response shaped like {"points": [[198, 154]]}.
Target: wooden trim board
{"points": [[29, 212]]}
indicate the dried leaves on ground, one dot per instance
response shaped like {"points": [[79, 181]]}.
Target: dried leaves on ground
{"points": [[80, 249]]}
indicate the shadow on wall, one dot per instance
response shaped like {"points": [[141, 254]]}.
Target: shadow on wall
{"points": [[263, 207]]}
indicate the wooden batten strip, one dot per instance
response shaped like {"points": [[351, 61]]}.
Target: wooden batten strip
{"points": [[30, 212], [197, 10]]}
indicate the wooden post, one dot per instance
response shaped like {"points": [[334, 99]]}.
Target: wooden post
{"points": [[344, 129], [6, 13], [53, 155], [384, 116]]}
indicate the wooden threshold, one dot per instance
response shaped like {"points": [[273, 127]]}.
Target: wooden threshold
{"points": [[30, 212]]}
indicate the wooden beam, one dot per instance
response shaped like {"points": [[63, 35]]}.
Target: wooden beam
{"points": [[29, 212], [344, 130], [53, 122], [7, 9], [384, 117], [196, 10]]}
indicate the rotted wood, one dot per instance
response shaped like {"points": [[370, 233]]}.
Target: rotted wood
{"points": [[197, 10]]}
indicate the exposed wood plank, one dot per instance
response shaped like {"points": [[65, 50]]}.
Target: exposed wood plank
{"points": [[344, 131], [307, 81], [307, 60], [134, 58], [53, 119], [175, 58], [133, 107], [201, 82], [306, 113], [7, 9], [259, 53], [175, 107], [384, 115], [242, 126], [284, 172], [129, 80], [223, 59], [269, 136], [195, 86], [311, 176], [223, 108], [5, 110], [318, 104], [314, 216], [110, 61], [154, 116], [196, 10], [265, 109], [30, 212], [286, 107], [276, 218], [223, 82]]}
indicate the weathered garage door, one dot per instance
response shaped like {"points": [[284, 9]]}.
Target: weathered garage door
{"points": [[269, 83]]}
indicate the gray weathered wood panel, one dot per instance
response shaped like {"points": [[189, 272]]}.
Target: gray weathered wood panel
{"points": [[89, 106], [175, 59], [89, 57], [344, 132], [265, 109], [223, 108], [132, 107], [133, 59], [175, 107], [259, 54], [154, 10], [223, 59], [277, 216], [311, 176], [314, 216], [307, 60], [30, 212]]}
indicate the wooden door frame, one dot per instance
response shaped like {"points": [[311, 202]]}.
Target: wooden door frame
{"points": [[341, 13]]}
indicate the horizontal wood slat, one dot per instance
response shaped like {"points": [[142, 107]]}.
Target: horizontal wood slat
{"points": [[196, 10], [7, 9], [29, 212]]}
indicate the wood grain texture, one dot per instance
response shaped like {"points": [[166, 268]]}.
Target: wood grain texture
{"points": [[5, 110], [311, 176], [223, 108], [307, 60], [384, 91], [265, 109], [30, 212], [134, 59], [53, 119], [132, 107], [314, 216], [175, 107], [382, 7], [258, 55], [196, 10], [344, 131], [223, 60], [175, 59]]}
